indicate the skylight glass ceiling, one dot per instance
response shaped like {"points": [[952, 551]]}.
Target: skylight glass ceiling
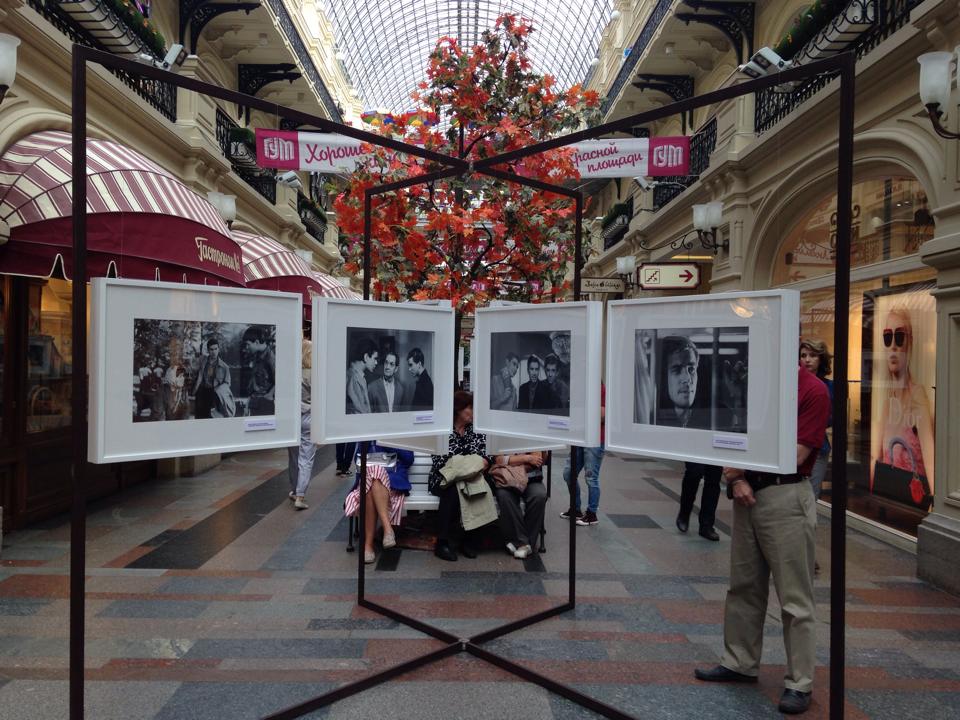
{"points": [[386, 43]]}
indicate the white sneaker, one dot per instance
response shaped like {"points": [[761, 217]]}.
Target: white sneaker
{"points": [[299, 504], [511, 548], [292, 495], [389, 541], [369, 557], [523, 552]]}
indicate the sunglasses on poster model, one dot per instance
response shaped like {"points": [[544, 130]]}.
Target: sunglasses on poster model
{"points": [[897, 337]]}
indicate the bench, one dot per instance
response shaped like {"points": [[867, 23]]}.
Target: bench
{"points": [[421, 499]]}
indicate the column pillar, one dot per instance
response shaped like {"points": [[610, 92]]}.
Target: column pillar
{"points": [[938, 537]]}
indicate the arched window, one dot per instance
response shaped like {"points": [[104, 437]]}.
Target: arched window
{"points": [[891, 219]]}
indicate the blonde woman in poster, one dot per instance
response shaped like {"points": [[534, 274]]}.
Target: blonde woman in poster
{"points": [[902, 433]]}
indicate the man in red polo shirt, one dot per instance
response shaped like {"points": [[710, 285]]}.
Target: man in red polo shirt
{"points": [[774, 521]]}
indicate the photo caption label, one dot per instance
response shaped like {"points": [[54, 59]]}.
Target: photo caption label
{"points": [[257, 424], [423, 418], [730, 442], [558, 423]]}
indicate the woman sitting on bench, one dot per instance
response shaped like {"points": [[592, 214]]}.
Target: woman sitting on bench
{"points": [[463, 441], [387, 486], [520, 477]]}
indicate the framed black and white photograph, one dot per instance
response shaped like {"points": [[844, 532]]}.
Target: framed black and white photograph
{"points": [[186, 369], [537, 373], [189, 370], [705, 378], [381, 370]]}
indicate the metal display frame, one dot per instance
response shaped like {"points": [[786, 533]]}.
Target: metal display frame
{"points": [[842, 65]]}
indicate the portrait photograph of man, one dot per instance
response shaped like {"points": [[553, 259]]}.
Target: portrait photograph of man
{"points": [[389, 371], [528, 375], [692, 378]]}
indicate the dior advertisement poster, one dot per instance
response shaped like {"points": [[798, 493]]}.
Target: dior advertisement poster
{"points": [[692, 378], [389, 371], [185, 370], [530, 372]]}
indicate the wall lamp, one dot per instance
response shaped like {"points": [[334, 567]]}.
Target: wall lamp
{"points": [[226, 205], [935, 88], [8, 62], [706, 220], [627, 269]]}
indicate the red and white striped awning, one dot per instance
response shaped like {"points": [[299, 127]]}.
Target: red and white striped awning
{"points": [[142, 221], [334, 288], [268, 265]]}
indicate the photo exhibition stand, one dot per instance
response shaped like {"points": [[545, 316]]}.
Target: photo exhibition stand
{"points": [[842, 65]]}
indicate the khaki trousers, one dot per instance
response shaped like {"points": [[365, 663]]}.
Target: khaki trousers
{"points": [[774, 536]]}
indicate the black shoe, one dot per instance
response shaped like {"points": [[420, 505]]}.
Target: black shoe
{"points": [[468, 550], [683, 524], [709, 533], [794, 702], [570, 511], [722, 674], [443, 551]]}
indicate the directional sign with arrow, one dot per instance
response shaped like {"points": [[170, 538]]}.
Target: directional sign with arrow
{"points": [[669, 276]]}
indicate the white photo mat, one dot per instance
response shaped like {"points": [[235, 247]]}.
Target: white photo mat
{"points": [[117, 305], [582, 324], [762, 433], [334, 321]]}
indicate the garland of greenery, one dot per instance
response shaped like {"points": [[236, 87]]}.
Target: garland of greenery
{"points": [[244, 135], [811, 21], [139, 25]]}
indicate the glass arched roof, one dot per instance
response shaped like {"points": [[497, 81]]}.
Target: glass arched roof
{"points": [[386, 43]]}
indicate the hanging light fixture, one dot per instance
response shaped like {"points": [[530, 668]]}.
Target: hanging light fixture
{"points": [[706, 221], [935, 88], [8, 62]]}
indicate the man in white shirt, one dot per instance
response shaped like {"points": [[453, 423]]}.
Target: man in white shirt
{"points": [[387, 392]]}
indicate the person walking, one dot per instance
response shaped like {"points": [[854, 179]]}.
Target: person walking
{"points": [[708, 498], [592, 458], [301, 457]]}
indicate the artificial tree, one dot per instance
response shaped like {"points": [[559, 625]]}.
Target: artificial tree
{"points": [[472, 238]]}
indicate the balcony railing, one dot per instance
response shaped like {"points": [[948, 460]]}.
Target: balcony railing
{"points": [[889, 16], [702, 145], [657, 16], [616, 223], [242, 157], [159, 95], [313, 217], [306, 60]]}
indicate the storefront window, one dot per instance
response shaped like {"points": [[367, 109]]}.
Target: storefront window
{"points": [[49, 348], [891, 369], [891, 219]]}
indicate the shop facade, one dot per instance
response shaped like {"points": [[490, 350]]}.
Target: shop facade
{"points": [[775, 173], [153, 221]]}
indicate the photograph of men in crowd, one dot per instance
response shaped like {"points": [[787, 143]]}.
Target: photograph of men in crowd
{"points": [[423, 388], [212, 380], [503, 393], [378, 380], [692, 378], [201, 370], [529, 375], [261, 386]]}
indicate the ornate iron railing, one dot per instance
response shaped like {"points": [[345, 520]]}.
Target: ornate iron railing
{"points": [[616, 223], [702, 145], [657, 16], [313, 217], [772, 106], [263, 180], [310, 70], [159, 95]]}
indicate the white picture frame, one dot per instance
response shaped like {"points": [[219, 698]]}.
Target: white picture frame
{"points": [[726, 416], [342, 326], [570, 332], [154, 337]]}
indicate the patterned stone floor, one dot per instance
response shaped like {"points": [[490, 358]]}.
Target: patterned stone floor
{"points": [[211, 597]]}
